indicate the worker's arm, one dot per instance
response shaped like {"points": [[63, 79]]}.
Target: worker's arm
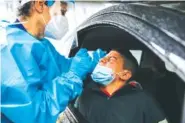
{"points": [[46, 103], [62, 62], [35, 100]]}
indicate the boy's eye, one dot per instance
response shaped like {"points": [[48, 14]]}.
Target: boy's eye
{"points": [[112, 59]]}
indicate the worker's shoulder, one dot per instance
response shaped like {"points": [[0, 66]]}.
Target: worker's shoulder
{"points": [[19, 36]]}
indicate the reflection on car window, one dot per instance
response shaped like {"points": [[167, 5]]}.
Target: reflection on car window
{"points": [[137, 54]]}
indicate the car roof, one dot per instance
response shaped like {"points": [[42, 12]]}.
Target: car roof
{"points": [[129, 26]]}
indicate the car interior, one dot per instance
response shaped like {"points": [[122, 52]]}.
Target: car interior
{"points": [[165, 86]]}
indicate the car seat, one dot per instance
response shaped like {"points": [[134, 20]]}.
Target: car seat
{"points": [[161, 84]]}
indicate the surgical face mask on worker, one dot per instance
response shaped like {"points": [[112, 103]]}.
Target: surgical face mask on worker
{"points": [[103, 75], [57, 27]]}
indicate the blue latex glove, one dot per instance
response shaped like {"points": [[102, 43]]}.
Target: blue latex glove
{"points": [[81, 64], [97, 55]]}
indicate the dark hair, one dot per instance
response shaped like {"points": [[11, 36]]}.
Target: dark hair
{"points": [[63, 2], [25, 10], [130, 63]]}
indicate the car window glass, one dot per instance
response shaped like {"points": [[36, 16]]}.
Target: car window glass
{"points": [[137, 54]]}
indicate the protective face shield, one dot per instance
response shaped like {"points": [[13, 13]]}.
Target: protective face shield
{"points": [[53, 28], [103, 75], [57, 27], [61, 30]]}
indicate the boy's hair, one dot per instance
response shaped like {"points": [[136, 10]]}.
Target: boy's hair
{"points": [[130, 63]]}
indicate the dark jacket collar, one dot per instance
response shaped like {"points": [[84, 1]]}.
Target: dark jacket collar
{"points": [[126, 89]]}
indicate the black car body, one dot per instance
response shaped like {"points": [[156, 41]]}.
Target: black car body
{"points": [[156, 29]]}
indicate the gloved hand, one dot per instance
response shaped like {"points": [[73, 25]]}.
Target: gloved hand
{"points": [[81, 64], [96, 56]]}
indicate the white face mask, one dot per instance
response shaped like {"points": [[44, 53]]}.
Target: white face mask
{"points": [[103, 75], [57, 27]]}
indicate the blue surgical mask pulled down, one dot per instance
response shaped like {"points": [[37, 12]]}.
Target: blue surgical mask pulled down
{"points": [[103, 75]]}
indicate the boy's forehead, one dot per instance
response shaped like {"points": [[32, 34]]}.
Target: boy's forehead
{"points": [[113, 53]]}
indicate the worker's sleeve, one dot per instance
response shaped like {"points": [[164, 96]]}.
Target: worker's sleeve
{"points": [[62, 62], [34, 99], [152, 112]]}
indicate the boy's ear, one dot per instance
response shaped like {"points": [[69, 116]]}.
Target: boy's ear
{"points": [[125, 75]]}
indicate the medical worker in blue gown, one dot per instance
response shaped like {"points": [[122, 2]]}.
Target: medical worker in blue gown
{"points": [[37, 83]]}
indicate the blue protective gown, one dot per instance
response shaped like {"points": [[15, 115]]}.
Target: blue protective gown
{"points": [[35, 83]]}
